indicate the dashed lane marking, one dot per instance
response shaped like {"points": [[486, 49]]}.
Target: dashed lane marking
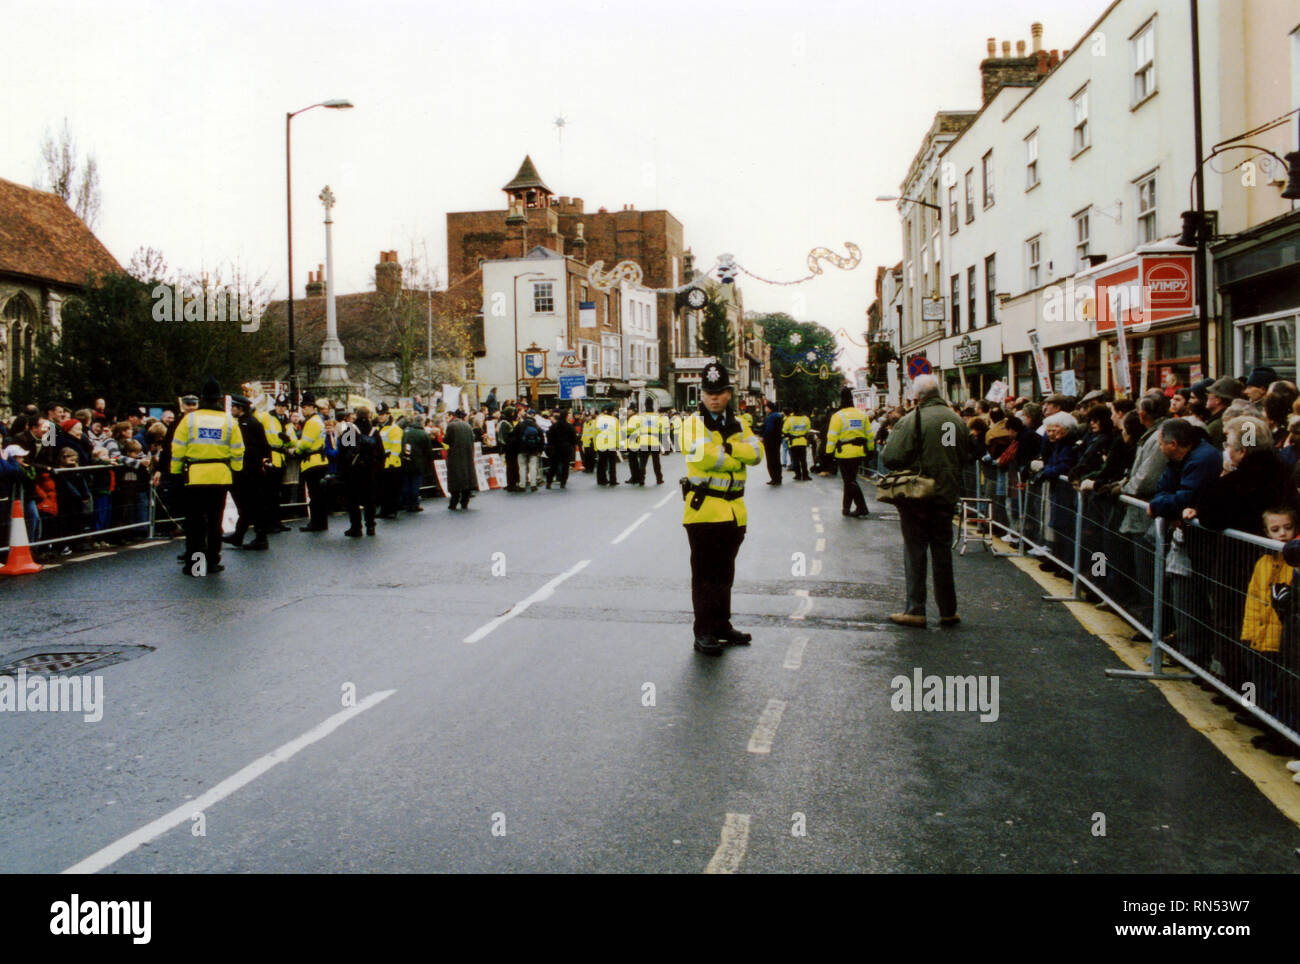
{"points": [[816, 568], [794, 655], [821, 546], [765, 731], [665, 499], [152, 831], [731, 849], [819, 528], [93, 555], [630, 529], [543, 593], [805, 603], [148, 545]]}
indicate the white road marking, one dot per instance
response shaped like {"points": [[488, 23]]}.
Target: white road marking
{"points": [[794, 655], [152, 831], [731, 849], [93, 555], [765, 731], [821, 546], [543, 593], [819, 528], [148, 545], [805, 603], [665, 499], [816, 568], [630, 529]]}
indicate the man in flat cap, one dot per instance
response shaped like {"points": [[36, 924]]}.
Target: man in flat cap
{"points": [[1221, 394]]}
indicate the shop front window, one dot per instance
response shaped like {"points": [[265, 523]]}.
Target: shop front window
{"points": [[1270, 344]]}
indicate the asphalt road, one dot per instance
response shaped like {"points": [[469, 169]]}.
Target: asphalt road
{"points": [[391, 704]]}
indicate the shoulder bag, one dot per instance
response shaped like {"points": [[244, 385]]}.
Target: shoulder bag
{"points": [[907, 484]]}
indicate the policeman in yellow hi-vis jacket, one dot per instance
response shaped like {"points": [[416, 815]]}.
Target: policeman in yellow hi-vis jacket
{"points": [[849, 438], [311, 450], [795, 428], [278, 440], [632, 445], [717, 448], [653, 427], [207, 448], [390, 477]]}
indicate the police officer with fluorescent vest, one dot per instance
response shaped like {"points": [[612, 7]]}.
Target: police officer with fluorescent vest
{"points": [[795, 428], [607, 447], [311, 450], [390, 478], [632, 444], [250, 482], [849, 438], [206, 449], [717, 448], [279, 436], [653, 426]]}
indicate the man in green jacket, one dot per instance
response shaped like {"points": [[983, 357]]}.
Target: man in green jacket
{"points": [[943, 449], [417, 462]]}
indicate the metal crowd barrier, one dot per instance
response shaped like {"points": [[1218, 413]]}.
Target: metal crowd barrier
{"points": [[1221, 605]]}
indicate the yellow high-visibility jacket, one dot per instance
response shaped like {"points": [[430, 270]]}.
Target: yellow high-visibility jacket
{"points": [[392, 438], [651, 425], [796, 428], [273, 428], [719, 464], [589, 433], [208, 446], [1259, 625], [311, 447], [849, 435], [606, 432], [632, 432]]}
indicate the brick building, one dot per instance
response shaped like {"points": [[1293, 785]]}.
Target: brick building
{"points": [[535, 217]]}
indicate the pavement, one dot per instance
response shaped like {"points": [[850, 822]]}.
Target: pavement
{"points": [[513, 688]]}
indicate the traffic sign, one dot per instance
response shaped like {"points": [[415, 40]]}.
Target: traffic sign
{"points": [[919, 365], [573, 386]]}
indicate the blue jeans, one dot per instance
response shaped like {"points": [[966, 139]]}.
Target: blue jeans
{"points": [[411, 489]]}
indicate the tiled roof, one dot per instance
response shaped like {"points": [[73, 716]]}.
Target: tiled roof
{"points": [[361, 316], [41, 237], [526, 178]]}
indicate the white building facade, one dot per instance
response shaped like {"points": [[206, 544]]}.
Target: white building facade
{"points": [[525, 301]]}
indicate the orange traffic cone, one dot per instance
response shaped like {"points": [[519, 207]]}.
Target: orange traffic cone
{"points": [[20, 562], [577, 459], [492, 473]]}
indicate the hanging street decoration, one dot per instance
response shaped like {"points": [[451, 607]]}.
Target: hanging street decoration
{"points": [[726, 267]]}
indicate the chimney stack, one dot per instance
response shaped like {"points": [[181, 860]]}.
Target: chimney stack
{"points": [[1006, 49], [315, 285], [1036, 31], [1020, 48], [993, 47], [388, 275]]}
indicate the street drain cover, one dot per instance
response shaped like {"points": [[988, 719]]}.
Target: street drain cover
{"points": [[67, 660]]}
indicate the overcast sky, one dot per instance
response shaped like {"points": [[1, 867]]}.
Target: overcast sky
{"points": [[766, 128]]}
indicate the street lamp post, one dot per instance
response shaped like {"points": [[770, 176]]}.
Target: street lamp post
{"points": [[914, 200], [288, 201], [514, 297]]}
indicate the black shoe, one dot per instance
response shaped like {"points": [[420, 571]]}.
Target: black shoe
{"points": [[282, 528], [312, 528], [370, 530], [387, 515], [735, 637], [259, 544], [708, 646], [217, 568], [774, 483], [233, 540], [352, 533]]}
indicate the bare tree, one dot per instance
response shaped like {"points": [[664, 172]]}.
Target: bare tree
{"points": [[148, 264], [60, 175]]}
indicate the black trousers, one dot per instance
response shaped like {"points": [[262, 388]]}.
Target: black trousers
{"points": [[772, 454], [204, 507], [274, 480], [460, 498], [390, 490], [606, 468], [636, 465], [854, 500], [799, 455], [648, 458], [557, 467], [588, 460], [713, 569], [317, 510], [359, 491], [927, 528], [512, 468]]}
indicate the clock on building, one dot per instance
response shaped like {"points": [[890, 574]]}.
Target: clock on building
{"points": [[696, 297]]}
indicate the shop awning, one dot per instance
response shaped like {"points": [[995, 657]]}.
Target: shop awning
{"points": [[662, 398]]}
